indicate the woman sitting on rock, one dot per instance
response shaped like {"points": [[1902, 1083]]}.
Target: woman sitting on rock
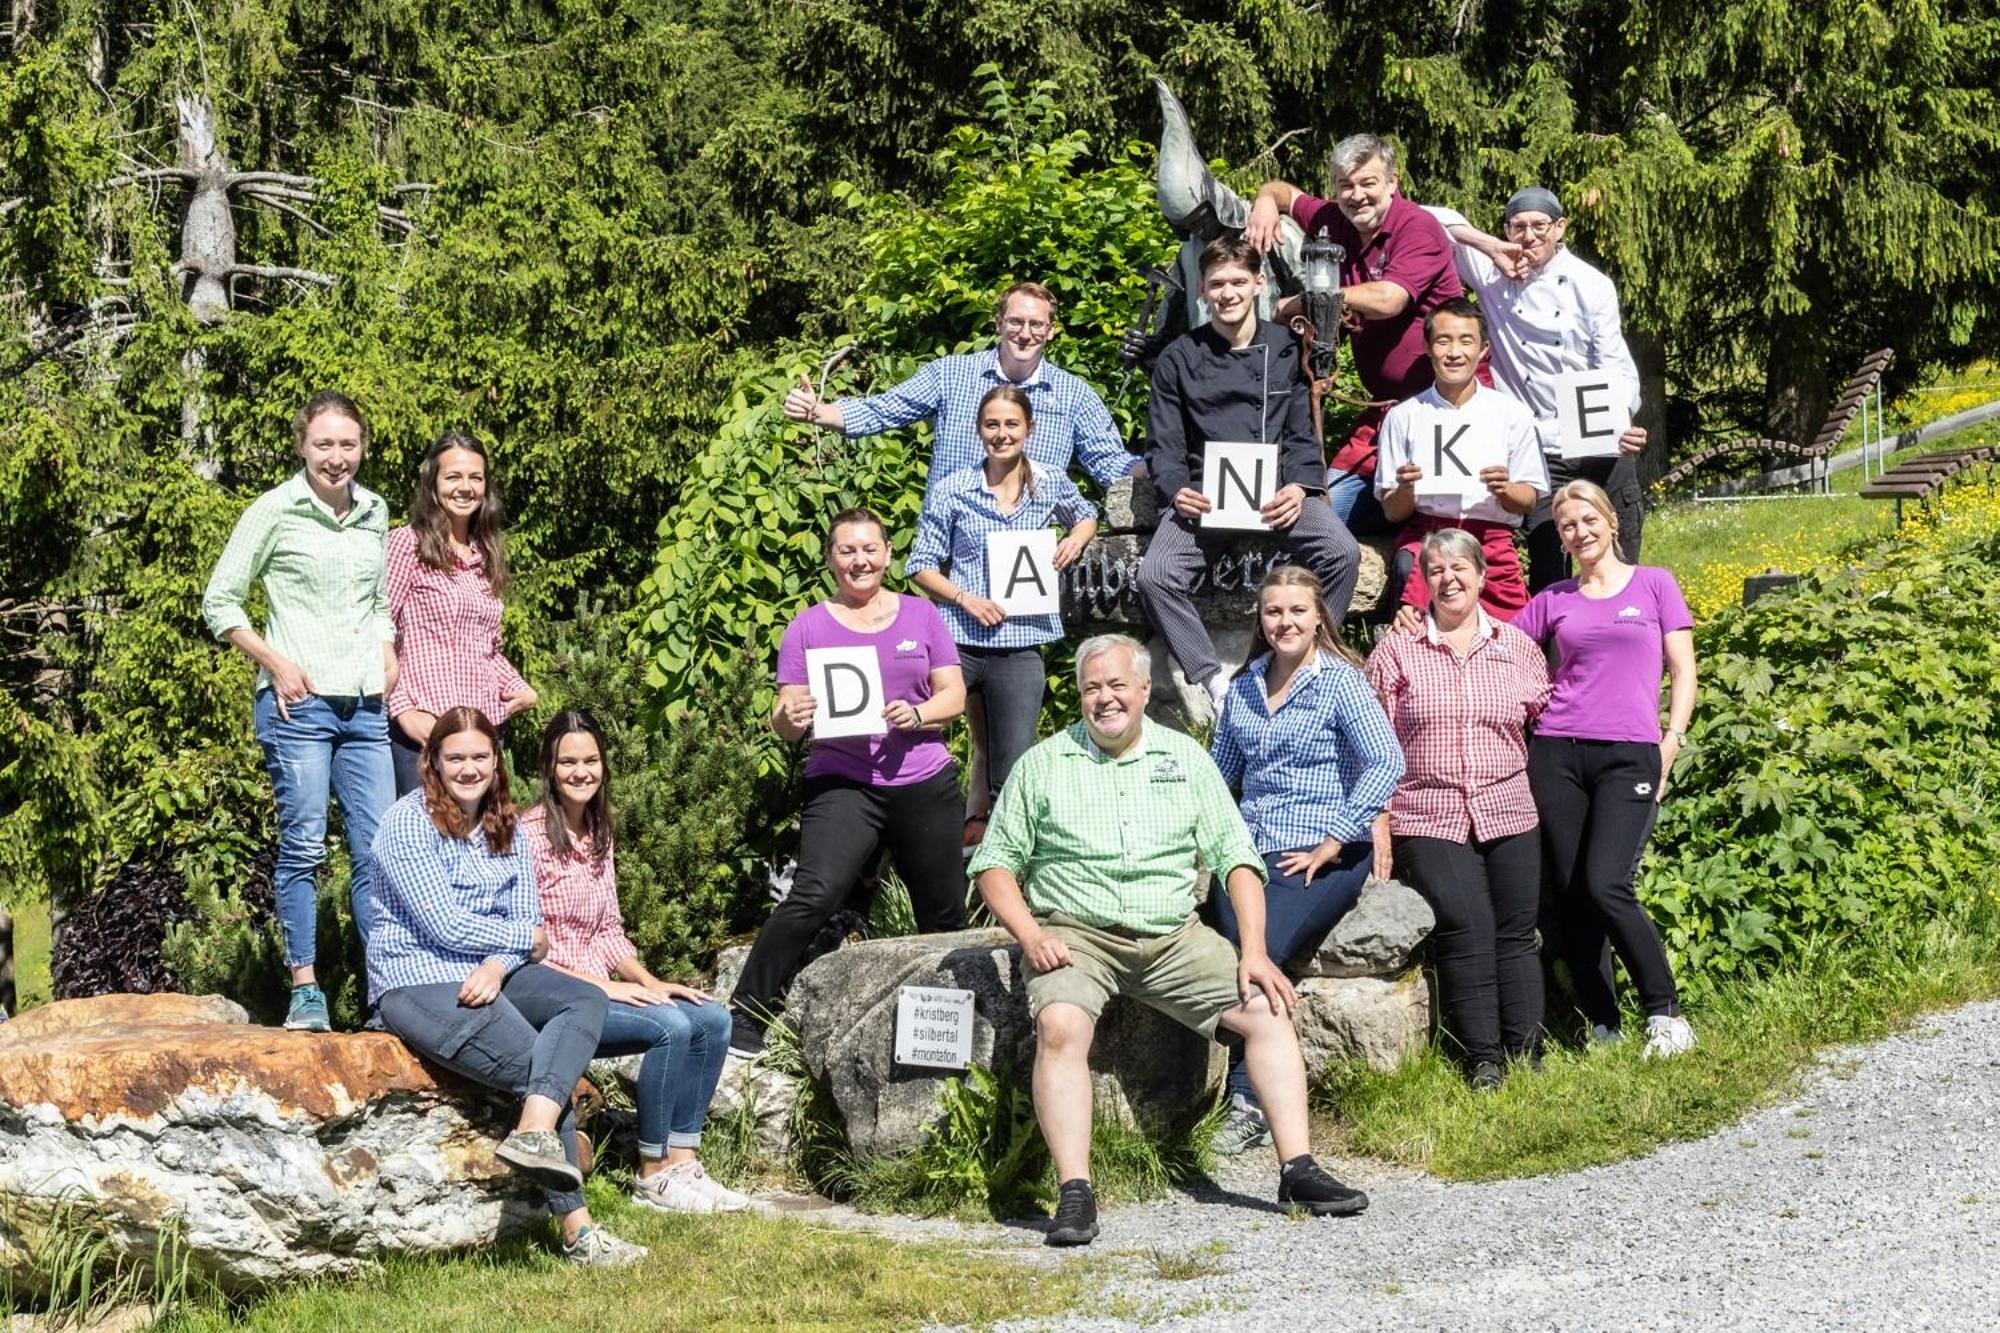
{"points": [[894, 784], [1460, 694], [447, 569], [1302, 738], [1000, 654], [682, 1034], [453, 970]]}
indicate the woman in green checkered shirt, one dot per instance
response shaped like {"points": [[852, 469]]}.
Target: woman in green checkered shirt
{"points": [[325, 659]]}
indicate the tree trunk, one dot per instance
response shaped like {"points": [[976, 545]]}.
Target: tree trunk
{"points": [[208, 229], [1651, 357], [1796, 389]]}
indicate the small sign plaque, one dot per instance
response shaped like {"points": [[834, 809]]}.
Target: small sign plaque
{"points": [[934, 1027]]}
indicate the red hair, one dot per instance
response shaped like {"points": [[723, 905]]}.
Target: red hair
{"points": [[496, 807]]}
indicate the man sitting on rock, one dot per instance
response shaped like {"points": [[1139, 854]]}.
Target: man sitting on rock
{"points": [[1233, 380], [1108, 825]]}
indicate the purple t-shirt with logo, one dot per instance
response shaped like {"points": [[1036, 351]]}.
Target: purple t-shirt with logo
{"points": [[908, 649], [1613, 649]]}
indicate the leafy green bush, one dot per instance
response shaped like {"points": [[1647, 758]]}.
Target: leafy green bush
{"points": [[1844, 762], [740, 552]]}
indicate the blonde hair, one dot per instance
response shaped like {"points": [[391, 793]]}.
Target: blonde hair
{"points": [[1591, 494]]}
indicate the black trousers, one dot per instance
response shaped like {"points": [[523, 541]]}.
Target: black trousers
{"points": [[845, 827], [1596, 801], [1486, 897], [1620, 478]]}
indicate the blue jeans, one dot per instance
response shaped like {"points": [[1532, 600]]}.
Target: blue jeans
{"points": [[1296, 919], [1355, 503], [534, 1040], [684, 1045], [339, 745]]}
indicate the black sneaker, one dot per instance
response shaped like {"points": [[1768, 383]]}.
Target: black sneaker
{"points": [[1304, 1184], [1076, 1215], [1486, 1076], [746, 1035]]}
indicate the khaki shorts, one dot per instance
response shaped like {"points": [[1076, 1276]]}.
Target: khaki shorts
{"points": [[1189, 974]]}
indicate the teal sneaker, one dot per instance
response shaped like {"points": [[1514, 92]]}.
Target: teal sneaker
{"points": [[308, 1011]]}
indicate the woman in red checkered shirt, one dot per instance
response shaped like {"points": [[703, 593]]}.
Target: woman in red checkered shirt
{"points": [[447, 569], [681, 1034], [1460, 692]]}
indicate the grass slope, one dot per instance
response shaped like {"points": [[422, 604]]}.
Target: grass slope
{"points": [[703, 1273]]}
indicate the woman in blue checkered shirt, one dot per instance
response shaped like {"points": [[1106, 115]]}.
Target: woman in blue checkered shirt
{"points": [[1303, 739], [1000, 651]]}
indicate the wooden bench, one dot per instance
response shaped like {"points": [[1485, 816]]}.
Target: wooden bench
{"points": [[1927, 475], [1838, 418]]}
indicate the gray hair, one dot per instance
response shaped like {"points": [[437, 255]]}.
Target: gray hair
{"points": [[1356, 151], [1453, 543], [1099, 644]]}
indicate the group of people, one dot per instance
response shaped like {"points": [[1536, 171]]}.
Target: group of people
{"points": [[492, 932], [1516, 800]]}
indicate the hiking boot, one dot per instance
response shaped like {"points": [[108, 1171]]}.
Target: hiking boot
{"points": [[746, 1035], [1243, 1128], [674, 1190], [594, 1247], [1076, 1215], [1667, 1035], [1486, 1077], [538, 1155], [1303, 1183], [308, 1010]]}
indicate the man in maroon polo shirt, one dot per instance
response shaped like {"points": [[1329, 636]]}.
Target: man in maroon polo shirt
{"points": [[1398, 268]]}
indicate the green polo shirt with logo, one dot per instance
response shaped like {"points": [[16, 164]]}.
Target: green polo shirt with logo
{"points": [[1116, 843]]}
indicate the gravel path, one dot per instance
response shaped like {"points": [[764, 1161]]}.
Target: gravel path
{"points": [[1872, 1200]]}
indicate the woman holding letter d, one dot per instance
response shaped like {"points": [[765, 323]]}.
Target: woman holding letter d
{"points": [[893, 785], [999, 640]]}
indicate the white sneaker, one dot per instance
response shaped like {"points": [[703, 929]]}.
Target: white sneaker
{"points": [[1666, 1037], [1601, 1035], [675, 1190], [726, 1199]]}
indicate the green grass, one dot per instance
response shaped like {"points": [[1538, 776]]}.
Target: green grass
{"points": [[31, 955], [1605, 1105], [703, 1273]]}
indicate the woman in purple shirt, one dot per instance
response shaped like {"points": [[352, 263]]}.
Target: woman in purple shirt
{"points": [[1599, 762], [894, 786]]}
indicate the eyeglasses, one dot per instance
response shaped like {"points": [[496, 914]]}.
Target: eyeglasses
{"points": [[1537, 230], [1015, 324]]}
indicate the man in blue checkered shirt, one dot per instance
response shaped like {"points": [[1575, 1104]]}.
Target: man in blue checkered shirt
{"points": [[1070, 419]]}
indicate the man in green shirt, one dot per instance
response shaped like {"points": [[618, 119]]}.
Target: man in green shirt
{"points": [[1108, 826]]}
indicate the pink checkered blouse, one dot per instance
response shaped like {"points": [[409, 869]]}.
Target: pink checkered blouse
{"points": [[1461, 723], [447, 635], [579, 902]]}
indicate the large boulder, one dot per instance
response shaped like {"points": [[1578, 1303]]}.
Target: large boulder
{"points": [[1150, 1072], [1378, 937], [1380, 1021], [282, 1155]]}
